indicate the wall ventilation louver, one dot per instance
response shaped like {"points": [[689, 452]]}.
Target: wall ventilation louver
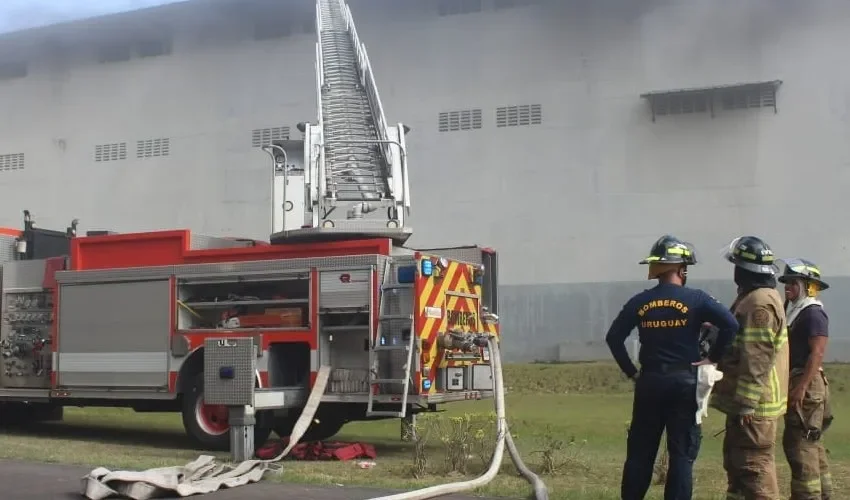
{"points": [[467, 119], [14, 161], [110, 152], [518, 116]]}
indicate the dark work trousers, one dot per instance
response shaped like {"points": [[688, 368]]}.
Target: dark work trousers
{"points": [[665, 398]]}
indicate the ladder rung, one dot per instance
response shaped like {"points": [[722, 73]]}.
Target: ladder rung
{"points": [[390, 317], [397, 286], [344, 328], [390, 348]]}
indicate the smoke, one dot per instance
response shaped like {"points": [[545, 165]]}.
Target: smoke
{"points": [[23, 14], [716, 38]]}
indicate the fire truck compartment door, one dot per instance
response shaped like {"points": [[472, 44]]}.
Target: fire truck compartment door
{"points": [[114, 334]]}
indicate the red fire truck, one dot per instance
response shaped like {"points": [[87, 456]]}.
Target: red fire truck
{"points": [[120, 320]]}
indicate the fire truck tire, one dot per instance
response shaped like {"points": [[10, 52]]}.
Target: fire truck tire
{"points": [[207, 426], [320, 429]]}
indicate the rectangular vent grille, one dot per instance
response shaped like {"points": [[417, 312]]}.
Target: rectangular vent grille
{"points": [[264, 136], [760, 97], [110, 152], [518, 116], [13, 161], [466, 119], [153, 147], [678, 105]]}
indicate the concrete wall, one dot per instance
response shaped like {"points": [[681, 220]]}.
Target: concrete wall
{"points": [[572, 203], [568, 322]]}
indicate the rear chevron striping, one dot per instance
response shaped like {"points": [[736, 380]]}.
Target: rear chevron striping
{"points": [[432, 325], [449, 282], [432, 292], [424, 295], [436, 353]]}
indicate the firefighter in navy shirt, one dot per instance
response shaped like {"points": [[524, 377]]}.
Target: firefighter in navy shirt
{"points": [[668, 317], [809, 413]]}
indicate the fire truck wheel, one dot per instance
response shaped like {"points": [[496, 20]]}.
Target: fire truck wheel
{"points": [[325, 428], [207, 425]]}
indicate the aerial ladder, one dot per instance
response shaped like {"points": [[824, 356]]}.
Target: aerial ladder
{"points": [[347, 176]]}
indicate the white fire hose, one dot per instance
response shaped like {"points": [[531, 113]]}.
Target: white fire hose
{"points": [[204, 475], [504, 436]]}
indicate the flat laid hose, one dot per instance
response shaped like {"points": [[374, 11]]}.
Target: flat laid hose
{"points": [[206, 475], [504, 436]]}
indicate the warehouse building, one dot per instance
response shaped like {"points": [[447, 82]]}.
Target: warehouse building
{"points": [[567, 134]]}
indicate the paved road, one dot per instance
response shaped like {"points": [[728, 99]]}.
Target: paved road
{"points": [[60, 482]]}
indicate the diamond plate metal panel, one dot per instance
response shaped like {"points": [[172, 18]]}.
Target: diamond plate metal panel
{"points": [[237, 355]]}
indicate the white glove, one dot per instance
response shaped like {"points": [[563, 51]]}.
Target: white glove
{"points": [[707, 375]]}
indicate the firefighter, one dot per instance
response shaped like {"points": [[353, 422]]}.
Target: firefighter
{"points": [[669, 318], [753, 392], [809, 413]]}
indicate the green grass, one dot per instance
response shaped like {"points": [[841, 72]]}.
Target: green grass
{"points": [[589, 402]]}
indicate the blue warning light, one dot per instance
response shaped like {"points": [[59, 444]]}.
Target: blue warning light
{"points": [[427, 268]]}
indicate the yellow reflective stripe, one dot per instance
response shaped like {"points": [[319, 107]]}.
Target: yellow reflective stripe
{"points": [[757, 335], [678, 251], [799, 268], [742, 253], [749, 390], [826, 480], [811, 486], [774, 385], [782, 338], [651, 258], [773, 409]]}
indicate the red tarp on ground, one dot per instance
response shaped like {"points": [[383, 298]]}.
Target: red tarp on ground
{"points": [[332, 450]]}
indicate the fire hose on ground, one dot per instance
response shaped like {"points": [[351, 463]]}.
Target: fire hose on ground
{"points": [[206, 475], [504, 437]]}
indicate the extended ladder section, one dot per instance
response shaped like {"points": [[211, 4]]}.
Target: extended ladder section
{"points": [[361, 158], [391, 355], [353, 182], [354, 167]]}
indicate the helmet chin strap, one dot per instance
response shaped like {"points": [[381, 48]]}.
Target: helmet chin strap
{"points": [[812, 289], [807, 290]]}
